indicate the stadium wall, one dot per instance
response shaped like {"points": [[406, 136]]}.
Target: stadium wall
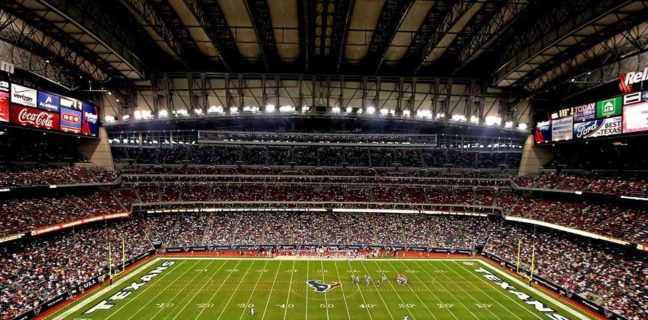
{"points": [[533, 157], [98, 151]]}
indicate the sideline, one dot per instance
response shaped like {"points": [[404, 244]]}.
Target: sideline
{"points": [[541, 294], [94, 296]]}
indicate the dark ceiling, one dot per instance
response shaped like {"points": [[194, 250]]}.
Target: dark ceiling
{"points": [[518, 44]]}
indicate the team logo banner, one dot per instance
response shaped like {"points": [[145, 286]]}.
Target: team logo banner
{"points": [[71, 103], [90, 120], [48, 101], [609, 108], [70, 120], [34, 118], [318, 286], [23, 96], [4, 106], [635, 117], [597, 128], [561, 129], [584, 112]]}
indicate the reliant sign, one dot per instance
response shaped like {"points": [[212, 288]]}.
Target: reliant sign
{"points": [[626, 80]]}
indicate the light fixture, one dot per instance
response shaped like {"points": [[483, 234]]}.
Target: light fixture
{"points": [[269, 108], [522, 126], [163, 114], [371, 110], [335, 110]]}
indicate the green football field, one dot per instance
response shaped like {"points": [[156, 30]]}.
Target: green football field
{"points": [[205, 288]]}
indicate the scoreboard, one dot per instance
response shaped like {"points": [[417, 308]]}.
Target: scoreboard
{"points": [[28, 107]]}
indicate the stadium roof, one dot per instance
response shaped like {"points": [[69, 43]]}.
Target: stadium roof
{"points": [[521, 44]]}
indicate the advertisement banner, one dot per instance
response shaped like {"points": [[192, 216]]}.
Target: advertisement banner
{"points": [[597, 128], [584, 112], [34, 118], [4, 106], [90, 120], [635, 117], [543, 132], [561, 129], [70, 103], [48, 101], [23, 96], [608, 108], [70, 120], [4, 86]]}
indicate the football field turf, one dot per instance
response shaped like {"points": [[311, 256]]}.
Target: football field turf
{"points": [[206, 288]]}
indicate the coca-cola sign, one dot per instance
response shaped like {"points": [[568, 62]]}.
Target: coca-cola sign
{"points": [[34, 118]]}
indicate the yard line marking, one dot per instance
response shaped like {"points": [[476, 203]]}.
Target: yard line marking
{"points": [[342, 289], [471, 296], [231, 296], [201, 288], [255, 286], [213, 294], [323, 280], [362, 295], [415, 294], [272, 288], [486, 294], [535, 291], [289, 289], [132, 298], [498, 289], [444, 288], [177, 293], [380, 295]]}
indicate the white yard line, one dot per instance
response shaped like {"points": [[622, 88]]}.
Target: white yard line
{"points": [[172, 299], [417, 296], [307, 290], [147, 288], [502, 293], [105, 290], [439, 299], [362, 295], [324, 281], [292, 273], [544, 296], [231, 296], [485, 294], [198, 291], [213, 294], [271, 289], [380, 295], [342, 289], [254, 289]]}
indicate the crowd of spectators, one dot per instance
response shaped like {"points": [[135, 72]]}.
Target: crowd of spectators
{"points": [[35, 271], [33, 176], [615, 277], [34, 211], [620, 184], [353, 156]]}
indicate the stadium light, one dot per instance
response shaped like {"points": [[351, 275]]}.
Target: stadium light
{"points": [[270, 108], [440, 116], [335, 110], [424, 114], [126, 117], [163, 114], [407, 113], [305, 109], [286, 109], [508, 124], [522, 126], [458, 117], [233, 110], [110, 118], [384, 111], [215, 109], [493, 121], [181, 112], [198, 111], [349, 109], [474, 119], [371, 110]]}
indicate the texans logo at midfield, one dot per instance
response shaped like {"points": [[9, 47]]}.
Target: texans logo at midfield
{"points": [[322, 287]]}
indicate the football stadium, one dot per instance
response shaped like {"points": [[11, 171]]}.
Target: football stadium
{"points": [[324, 159]]}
